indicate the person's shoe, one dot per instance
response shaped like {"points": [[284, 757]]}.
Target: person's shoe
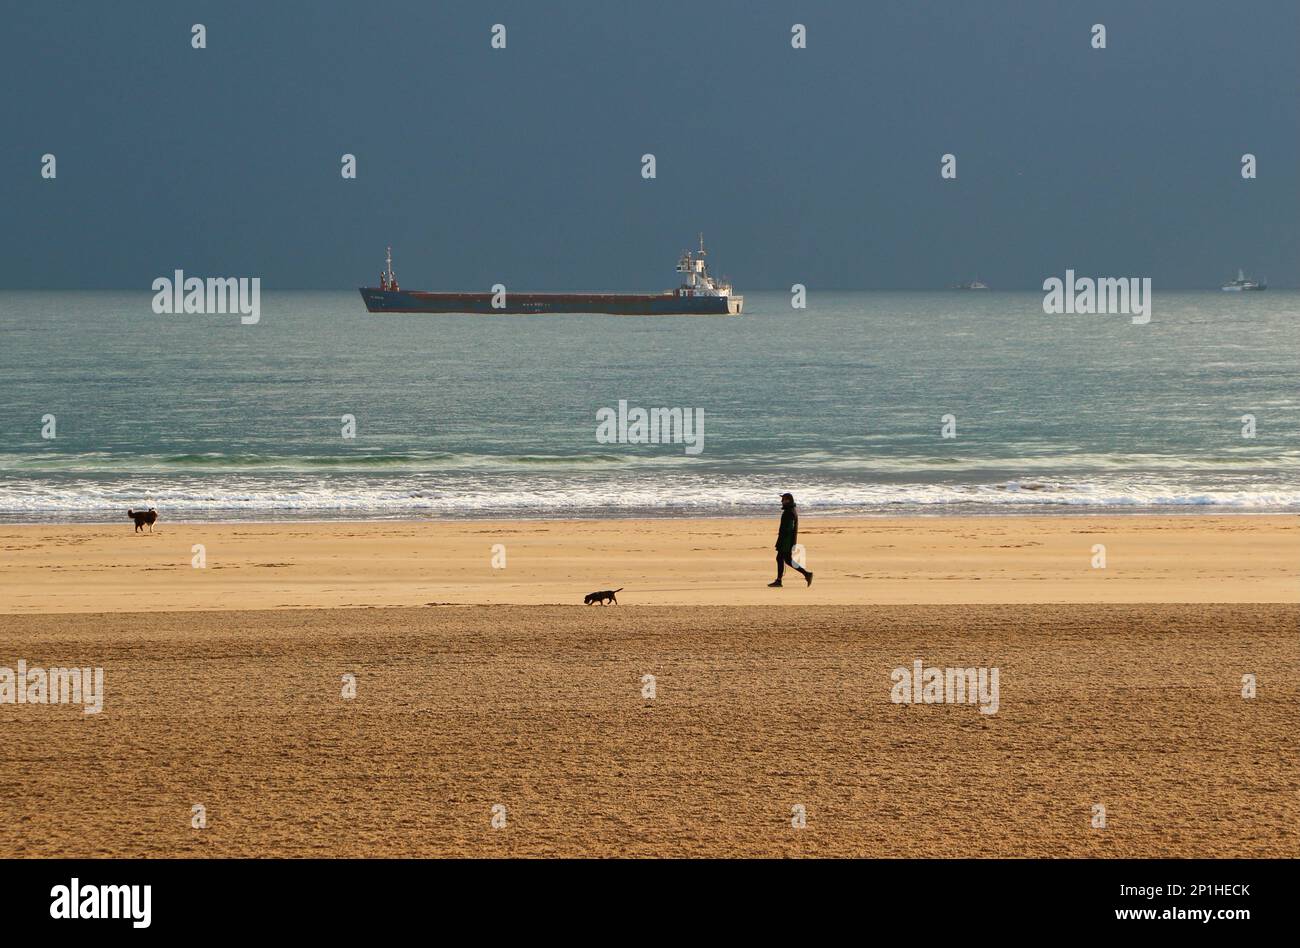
{"points": [[775, 585], [808, 577]]}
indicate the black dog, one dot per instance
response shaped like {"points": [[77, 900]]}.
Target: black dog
{"points": [[602, 596], [141, 518]]}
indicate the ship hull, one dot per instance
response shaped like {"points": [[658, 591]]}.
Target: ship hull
{"points": [[522, 304]]}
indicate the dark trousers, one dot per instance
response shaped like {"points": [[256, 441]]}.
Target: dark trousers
{"points": [[783, 560]]}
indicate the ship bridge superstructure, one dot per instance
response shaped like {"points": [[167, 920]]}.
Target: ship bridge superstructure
{"points": [[697, 281]]}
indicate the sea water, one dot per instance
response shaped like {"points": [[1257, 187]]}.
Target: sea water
{"points": [[862, 403]]}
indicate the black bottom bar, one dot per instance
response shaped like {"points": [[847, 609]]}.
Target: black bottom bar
{"points": [[916, 899]]}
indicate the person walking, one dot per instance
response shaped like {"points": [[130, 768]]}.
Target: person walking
{"points": [[786, 536]]}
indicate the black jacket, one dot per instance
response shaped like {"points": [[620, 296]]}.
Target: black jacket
{"points": [[789, 531]]}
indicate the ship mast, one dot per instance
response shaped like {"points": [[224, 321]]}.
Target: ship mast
{"points": [[388, 279]]}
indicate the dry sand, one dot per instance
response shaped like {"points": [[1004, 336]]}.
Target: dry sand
{"points": [[765, 699], [757, 710]]}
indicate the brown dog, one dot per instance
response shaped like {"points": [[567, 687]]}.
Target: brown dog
{"points": [[602, 596], [142, 517]]}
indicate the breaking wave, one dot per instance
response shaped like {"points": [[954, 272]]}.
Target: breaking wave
{"points": [[462, 494]]}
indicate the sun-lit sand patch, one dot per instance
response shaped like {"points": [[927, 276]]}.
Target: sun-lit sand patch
{"points": [[108, 568]]}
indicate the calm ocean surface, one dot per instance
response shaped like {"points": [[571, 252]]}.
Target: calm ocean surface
{"points": [[841, 404]]}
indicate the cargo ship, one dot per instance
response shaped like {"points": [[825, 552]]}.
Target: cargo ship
{"points": [[698, 295]]}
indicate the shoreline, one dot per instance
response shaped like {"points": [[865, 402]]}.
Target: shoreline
{"points": [[1045, 511]]}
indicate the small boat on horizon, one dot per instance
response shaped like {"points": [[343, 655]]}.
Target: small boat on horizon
{"points": [[1241, 283], [971, 285]]}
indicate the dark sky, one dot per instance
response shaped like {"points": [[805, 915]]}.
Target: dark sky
{"points": [[522, 166]]}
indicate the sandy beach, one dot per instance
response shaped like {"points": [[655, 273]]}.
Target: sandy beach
{"points": [[757, 710], [903, 560], [224, 688]]}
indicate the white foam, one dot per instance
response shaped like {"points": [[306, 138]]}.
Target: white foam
{"points": [[542, 495]]}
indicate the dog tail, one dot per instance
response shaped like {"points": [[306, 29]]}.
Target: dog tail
{"points": [[130, 512], [619, 590]]}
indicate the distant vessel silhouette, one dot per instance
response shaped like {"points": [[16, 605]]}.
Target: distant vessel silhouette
{"points": [[1241, 283], [971, 285]]}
